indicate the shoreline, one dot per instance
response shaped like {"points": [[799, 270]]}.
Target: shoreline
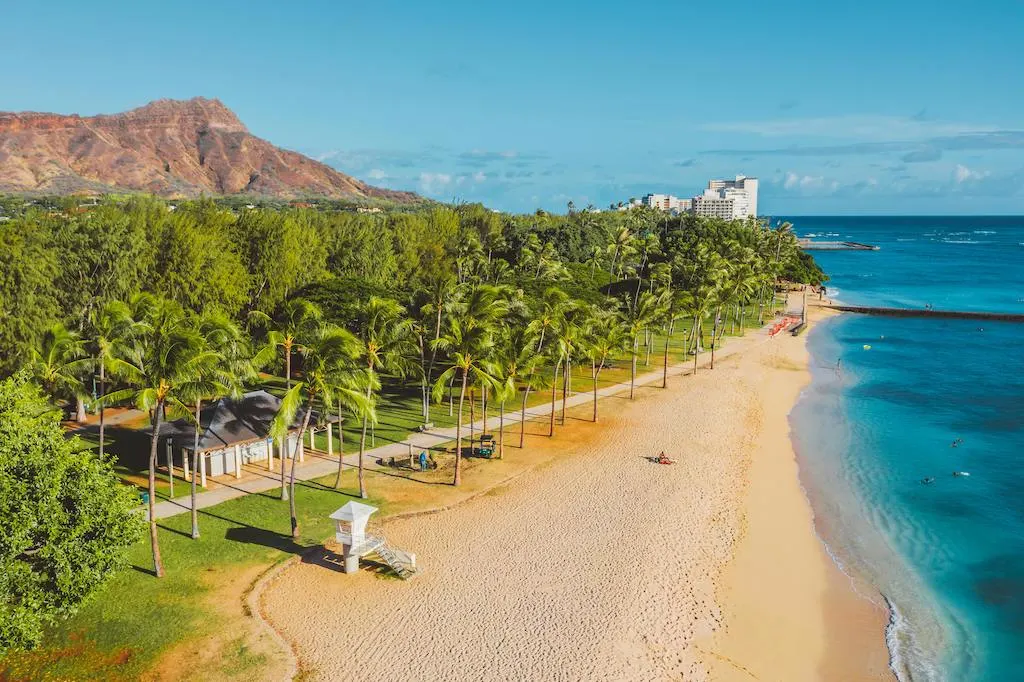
{"points": [[521, 582], [794, 613]]}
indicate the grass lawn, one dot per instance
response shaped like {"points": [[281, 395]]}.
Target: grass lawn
{"points": [[136, 617]]}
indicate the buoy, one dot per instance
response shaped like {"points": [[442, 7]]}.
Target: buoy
{"points": [[867, 347]]}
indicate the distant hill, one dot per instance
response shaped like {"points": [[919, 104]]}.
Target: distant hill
{"points": [[167, 147]]}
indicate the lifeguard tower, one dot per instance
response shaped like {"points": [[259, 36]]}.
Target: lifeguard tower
{"points": [[350, 532]]}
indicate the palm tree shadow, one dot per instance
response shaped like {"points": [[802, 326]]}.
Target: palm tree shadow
{"points": [[267, 538]]}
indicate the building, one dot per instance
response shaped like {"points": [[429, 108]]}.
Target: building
{"points": [[726, 199], [666, 202], [742, 191], [232, 433]]}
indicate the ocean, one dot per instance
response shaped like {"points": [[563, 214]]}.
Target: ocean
{"points": [[895, 407]]}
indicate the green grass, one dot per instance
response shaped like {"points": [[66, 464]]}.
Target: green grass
{"points": [[135, 617]]}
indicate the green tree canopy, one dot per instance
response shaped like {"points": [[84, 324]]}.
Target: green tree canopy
{"points": [[66, 522]]}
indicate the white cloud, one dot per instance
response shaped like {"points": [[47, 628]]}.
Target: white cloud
{"points": [[432, 183], [479, 176], [376, 174], [860, 127], [964, 174], [797, 181]]}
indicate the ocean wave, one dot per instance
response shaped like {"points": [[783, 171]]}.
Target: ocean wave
{"points": [[984, 232], [906, 239], [962, 241]]}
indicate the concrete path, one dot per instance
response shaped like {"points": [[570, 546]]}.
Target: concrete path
{"points": [[318, 464]]}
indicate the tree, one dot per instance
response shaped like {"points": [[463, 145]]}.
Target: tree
{"points": [[110, 329], [637, 317], [166, 366], [516, 362], [329, 354], [385, 337], [293, 320], [466, 345], [66, 521], [232, 365], [606, 337], [29, 268], [59, 363]]}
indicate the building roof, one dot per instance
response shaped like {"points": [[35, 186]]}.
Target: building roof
{"points": [[228, 421]]}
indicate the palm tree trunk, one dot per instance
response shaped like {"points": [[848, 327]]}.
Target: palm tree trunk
{"points": [[433, 356], [79, 409], [565, 388], [483, 406], [288, 387], [291, 477], [472, 418], [195, 462], [362, 450], [501, 429], [341, 449], [632, 367], [714, 337], [458, 432], [664, 364], [103, 391], [158, 565], [554, 385], [425, 407], [696, 342], [595, 397], [522, 417], [650, 342]]}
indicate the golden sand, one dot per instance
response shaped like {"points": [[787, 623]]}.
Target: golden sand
{"points": [[603, 566]]}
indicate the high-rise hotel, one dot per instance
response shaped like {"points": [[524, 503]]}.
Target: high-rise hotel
{"points": [[726, 199]]}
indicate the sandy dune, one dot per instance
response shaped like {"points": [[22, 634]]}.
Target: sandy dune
{"points": [[600, 566]]}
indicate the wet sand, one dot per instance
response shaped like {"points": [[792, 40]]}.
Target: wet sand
{"points": [[603, 566]]}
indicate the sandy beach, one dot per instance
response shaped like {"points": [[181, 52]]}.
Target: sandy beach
{"points": [[603, 566]]}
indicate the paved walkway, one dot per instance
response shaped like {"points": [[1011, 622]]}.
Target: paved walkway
{"points": [[318, 464]]}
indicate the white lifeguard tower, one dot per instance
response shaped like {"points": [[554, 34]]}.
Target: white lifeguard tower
{"points": [[350, 532]]}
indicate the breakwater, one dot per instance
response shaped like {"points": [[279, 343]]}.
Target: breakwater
{"points": [[938, 314]]}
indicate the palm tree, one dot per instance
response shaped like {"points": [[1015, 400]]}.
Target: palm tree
{"points": [[466, 345], [58, 364], [294, 319], [637, 317], [441, 290], [606, 337], [385, 340], [166, 364], [702, 279], [329, 357], [111, 329], [233, 366], [517, 361], [568, 334]]}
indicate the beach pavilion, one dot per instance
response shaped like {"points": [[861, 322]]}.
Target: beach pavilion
{"points": [[235, 432]]}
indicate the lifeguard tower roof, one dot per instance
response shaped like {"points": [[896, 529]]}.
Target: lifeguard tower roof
{"points": [[353, 512]]}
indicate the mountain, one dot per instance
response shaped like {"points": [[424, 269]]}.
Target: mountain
{"points": [[167, 147]]}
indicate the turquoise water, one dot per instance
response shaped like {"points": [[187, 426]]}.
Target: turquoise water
{"points": [[948, 556]]}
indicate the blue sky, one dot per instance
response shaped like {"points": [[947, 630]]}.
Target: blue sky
{"points": [[839, 108]]}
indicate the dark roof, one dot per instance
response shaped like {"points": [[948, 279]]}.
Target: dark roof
{"points": [[228, 421]]}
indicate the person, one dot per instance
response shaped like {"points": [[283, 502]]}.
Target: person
{"points": [[423, 460]]}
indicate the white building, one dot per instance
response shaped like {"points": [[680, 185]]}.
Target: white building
{"points": [[667, 202], [742, 191], [725, 199]]}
